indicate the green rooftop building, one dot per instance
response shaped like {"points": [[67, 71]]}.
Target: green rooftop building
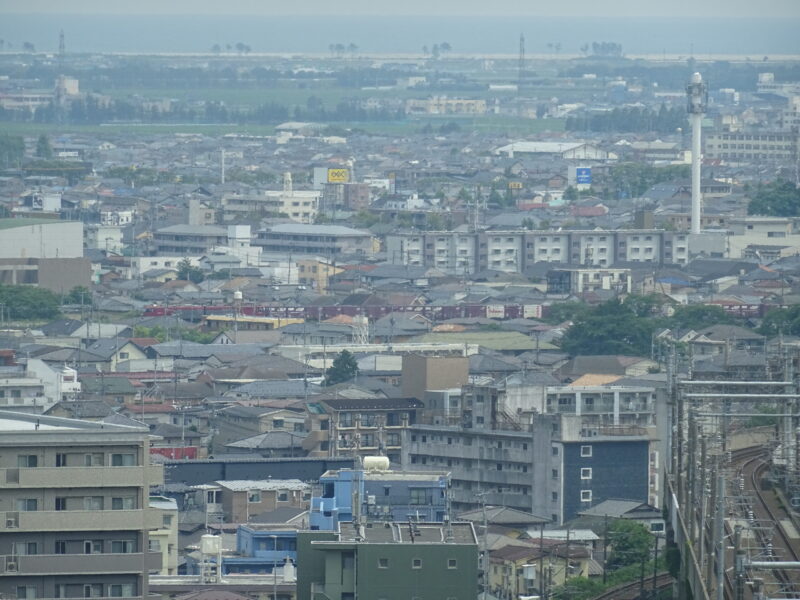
{"points": [[389, 561]]}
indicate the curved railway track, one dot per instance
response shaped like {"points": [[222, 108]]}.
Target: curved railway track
{"points": [[752, 463]]}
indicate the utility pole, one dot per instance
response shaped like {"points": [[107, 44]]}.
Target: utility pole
{"points": [[738, 564], [655, 565], [605, 548], [720, 521]]}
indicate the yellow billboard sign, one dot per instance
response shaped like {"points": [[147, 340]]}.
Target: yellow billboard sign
{"points": [[515, 185], [338, 175]]}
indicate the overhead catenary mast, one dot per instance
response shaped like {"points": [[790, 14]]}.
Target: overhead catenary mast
{"points": [[697, 101]]}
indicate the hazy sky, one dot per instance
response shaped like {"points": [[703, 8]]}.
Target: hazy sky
{"points": [[546, 8]]}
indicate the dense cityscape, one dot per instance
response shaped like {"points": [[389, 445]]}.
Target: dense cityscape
{"points": [[431, 325]]}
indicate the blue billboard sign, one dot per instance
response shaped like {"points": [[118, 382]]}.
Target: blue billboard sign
{"points": [[583, 175]]}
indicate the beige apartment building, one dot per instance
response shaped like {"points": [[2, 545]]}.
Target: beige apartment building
{"points": [[752, 146], [74, 503]]}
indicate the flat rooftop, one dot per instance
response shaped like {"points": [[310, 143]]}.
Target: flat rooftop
{"points": [[401, 532]]}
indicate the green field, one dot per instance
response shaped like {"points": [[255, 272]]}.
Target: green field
{"points": [[488, 124]]}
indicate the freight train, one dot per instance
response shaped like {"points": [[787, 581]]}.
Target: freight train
{"points": [[320, 313]]}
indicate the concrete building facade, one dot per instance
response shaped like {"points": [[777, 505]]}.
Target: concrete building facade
{"points": [[75, 508]]}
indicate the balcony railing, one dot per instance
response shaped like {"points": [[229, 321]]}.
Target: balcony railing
{"points": [[77, 520], [89, 477], [68, 564]]}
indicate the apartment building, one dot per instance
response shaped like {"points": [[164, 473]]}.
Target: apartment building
{"points": [[577, 280], [359, 426], [513, 251], [75, 519], [527, 460], [579, 466], [389, 560], [442, 105], [189, 240], [298, 205], [752, 146], [320, 240]]}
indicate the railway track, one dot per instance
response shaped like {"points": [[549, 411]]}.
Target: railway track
{"points": [[631, 591], [752, 463]]}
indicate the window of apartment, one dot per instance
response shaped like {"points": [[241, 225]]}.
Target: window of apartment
{"points": [[93, 547], [586, 473], [27, 460], [27, 504], [95, 459], [154, 545], [416, 563], [277, 423], [93, 590], [214, 497], [26, 592], [121, 590], [586, 495], [60, 548], [254, 496], [123, 503], [383, 563], [283, 496], [554, 450], [61, 460], [122, 547], [61, 503], [417, 496], [25, 548], [93, 503], [452, 563], [554, 473], [586, 451], [554, 496], [123, 460]]}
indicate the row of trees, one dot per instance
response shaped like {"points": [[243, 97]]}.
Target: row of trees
{"points": [[90, 111], [630, 119], [339, 50], [240, 47]]}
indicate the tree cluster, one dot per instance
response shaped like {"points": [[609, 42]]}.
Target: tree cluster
{"points": [[187, 272], [631, 180], [344, 368], [163, 334], [23, 302], [777, 199], [626, 328], [606, 49], [12, 149]]}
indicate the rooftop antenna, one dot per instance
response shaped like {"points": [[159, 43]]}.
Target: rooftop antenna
{"points": [[62, 48], [356, 500], [521, 65]]}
